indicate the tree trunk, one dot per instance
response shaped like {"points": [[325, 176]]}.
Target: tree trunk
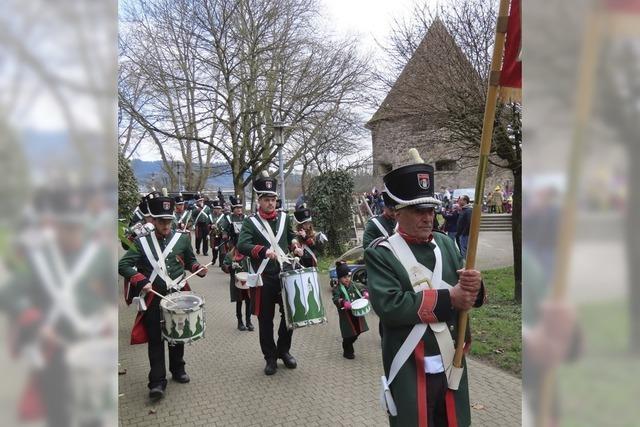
{"points": [[516, 233]]}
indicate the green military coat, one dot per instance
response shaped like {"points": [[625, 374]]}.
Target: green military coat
{"points": [[201, 215], [372, 232], [253, 244], [400, 308], [135, 266], [182, 218], [350, 325]]}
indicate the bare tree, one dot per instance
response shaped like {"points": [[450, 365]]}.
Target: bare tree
{"points": [[245, 65]]}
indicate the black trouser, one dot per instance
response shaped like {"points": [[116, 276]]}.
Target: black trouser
{"points": [[202, 237], [246, 308], [155, 348], [436, 408], [54, 382], [270, 295], [347, 344]]}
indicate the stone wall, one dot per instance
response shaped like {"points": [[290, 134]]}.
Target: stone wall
{"points": [[392, 138]]}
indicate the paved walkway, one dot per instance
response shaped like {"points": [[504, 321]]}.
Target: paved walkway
{"points": [[228, 387]]}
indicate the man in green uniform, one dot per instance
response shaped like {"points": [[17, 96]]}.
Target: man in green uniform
{"points": [[231, 226], [417, 286], [217, 217], [381, 225], [182, 217], [202, 221], [158, 263], [266, 247]]}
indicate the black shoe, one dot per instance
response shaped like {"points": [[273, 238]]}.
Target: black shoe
{"points": [[205, 254], [156, 393], [271, 368], [289, 361], [348, 355], [197, 252], [250, 326], [181, 378], [241, 326]]}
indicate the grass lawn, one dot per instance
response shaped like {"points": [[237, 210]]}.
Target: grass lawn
{"points": [[496, 326], [601, 386]]}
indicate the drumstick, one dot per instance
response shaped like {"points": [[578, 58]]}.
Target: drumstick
{"points": [[161, 296], [197, 271]]}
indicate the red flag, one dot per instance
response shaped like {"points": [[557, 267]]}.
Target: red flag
{"points": [[625, 6], [511, 74]]}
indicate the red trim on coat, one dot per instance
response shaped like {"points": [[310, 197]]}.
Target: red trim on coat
{"points": [[421, 385], [136, 278], [310, 242], [195, 267], [256, 307], [450, 403], [428, 304], [31, 406], [255, 252], [139, 333]]}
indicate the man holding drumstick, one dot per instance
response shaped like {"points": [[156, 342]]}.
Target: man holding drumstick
{"points": [[156, 264], [255, 241]]}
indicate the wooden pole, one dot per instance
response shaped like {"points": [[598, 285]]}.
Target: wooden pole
{"points": [[485, 148], [566, 230]]}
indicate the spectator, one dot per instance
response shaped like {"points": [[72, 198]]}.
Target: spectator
{"points": [[464, 223], [497, 199], [451, 222]]}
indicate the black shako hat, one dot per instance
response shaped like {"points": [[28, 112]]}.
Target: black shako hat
{"points": [[236, 201], [144, 204], [161, 207], [411, 185], [342, 269], [264, 185], [302, 214], [179, 199], [215, 203]]}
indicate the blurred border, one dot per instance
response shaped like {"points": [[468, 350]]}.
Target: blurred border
{"points": [[58, 69]]}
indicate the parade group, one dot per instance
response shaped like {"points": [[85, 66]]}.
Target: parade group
{"points": [[415, 283]]}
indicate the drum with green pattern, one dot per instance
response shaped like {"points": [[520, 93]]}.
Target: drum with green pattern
{"points": [[301, 298]]}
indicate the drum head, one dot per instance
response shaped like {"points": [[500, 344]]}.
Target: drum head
{"points": [[182, 302], [359, 303]]}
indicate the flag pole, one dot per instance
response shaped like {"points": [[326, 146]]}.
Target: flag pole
{"points": [[584, 96], [485, 148]]}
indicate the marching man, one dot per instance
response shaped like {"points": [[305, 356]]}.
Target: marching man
{"points": [[265, 236], [182, 217], [380, 225], [157, 264], [202, 214]]}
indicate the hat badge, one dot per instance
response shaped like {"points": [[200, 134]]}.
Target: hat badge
{"points": [[423, 181], [267, 184], [166, 205]]}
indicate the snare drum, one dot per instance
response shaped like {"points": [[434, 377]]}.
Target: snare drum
{"points": [[93, 387], [301, 298], [241, 280], [360, 307], [183, 317]]}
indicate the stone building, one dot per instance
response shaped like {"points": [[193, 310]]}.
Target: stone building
{"points": [[413, 111]]}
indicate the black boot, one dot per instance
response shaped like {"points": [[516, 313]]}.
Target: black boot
{"points": [[241, 326], [271, 368], [249, 324]]}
